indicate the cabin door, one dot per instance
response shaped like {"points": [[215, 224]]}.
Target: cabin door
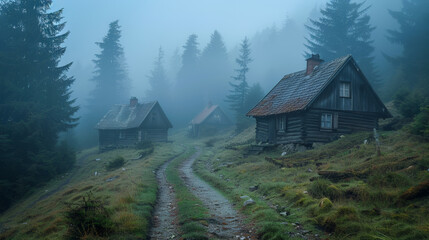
{"points": [[272, 130]]}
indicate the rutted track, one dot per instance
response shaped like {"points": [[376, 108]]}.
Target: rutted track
{"points": [[165, 224], [225, 222]]}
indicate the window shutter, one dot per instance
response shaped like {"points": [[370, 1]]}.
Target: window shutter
{"points": [[335, 120]]}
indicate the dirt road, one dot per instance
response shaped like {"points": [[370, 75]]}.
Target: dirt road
{"points": [[165, 216], [225, 222]]}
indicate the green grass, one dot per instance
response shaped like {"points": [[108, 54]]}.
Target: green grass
{"points": [[192, 214], [130, 196], [368, 197]]}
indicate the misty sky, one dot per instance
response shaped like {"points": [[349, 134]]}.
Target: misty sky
{"points": [[147, 25]]}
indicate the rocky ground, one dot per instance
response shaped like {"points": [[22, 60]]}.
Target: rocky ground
{"points": [[225, 222]]}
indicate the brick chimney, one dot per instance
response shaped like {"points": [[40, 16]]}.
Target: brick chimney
{"points": [[312, 62], [133, 101]]}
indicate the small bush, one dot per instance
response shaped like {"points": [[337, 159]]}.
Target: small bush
{"points": [[407, 103], [325, 204], [211, 142], [324, 188], [388, 180], [88, 218], [116, 163], [420, 126]]}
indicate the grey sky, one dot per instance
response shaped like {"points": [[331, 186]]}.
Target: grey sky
{"points": [[146, 25]]}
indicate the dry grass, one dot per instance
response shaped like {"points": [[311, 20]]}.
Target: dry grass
{"points": [[129, 195]]}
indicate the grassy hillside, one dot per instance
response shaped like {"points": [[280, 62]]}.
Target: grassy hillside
{"points": [[127, 192], [339, 190]]}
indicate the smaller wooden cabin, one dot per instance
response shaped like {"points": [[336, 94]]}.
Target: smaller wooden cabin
{"points": [[209, 121], [126, 125], [318, 104]]}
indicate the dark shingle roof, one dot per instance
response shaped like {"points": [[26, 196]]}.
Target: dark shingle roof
{"points": [[125, 116], [297, 90], [202, 116]]}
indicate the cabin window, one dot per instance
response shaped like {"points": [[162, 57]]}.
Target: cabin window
{"points": [[326, 121], [345, 89], [281, 123], [121, 134]]}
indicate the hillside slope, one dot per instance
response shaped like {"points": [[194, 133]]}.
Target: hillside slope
{"points": [[339, 190]]}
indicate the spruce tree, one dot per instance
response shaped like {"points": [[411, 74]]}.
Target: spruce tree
{"points": [[159, 87], [239, 86], [344, 28], [214, 69], [254, 95], [188, 92], [190, 57], [111, 81], [35, 104], [413, 36]]}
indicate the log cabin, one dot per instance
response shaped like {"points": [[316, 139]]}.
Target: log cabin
{"points": [[209, 121], [318, 104], [126, 125]]}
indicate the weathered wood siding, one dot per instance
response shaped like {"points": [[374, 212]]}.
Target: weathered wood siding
{"points": [[362, 97], [347, 122], [294, 132], [262, 129], [155, 134], [126, 137]]}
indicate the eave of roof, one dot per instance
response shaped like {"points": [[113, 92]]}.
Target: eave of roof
{"points": [[296, 91]]}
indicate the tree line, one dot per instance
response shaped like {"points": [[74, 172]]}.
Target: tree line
{"points": [[35, 90]]}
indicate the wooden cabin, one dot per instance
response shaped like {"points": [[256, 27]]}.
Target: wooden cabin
{"points": [[318, 104], [209, 121], [126, 125]]}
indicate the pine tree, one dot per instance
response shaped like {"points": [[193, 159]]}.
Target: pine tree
{"points": [[110, 73], [111, 81], [413, 36], [188, 89], [254, 95], [239, 87], [190, 57], [159, 87], [214, 69], [344, 28], [35, 104]]}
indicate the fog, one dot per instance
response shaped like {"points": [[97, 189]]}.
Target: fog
{"points": [[276, 31]]}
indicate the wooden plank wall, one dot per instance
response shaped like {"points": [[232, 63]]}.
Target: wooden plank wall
{"points": [[294, 130], [261, 129], [155, 135], [348, 122]]}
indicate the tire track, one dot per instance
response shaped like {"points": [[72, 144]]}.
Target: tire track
{"points": [[165, 224], [225, 222]]}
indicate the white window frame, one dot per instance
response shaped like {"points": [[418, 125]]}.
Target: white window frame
{"points": [[326, 121], [345, 89], [121, 134], [281, 123]]}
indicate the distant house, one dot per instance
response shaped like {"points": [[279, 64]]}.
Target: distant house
{"points": [[209, 121], [318, 104], [125, 125]]}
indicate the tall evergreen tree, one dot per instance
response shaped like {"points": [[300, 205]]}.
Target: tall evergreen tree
{"points": [[413, 36], [239, 87], [190, 57], [111, 81], [214, 69], [35, 104], [344, 28], [159, 87], [187, 90], [254, 95]]}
